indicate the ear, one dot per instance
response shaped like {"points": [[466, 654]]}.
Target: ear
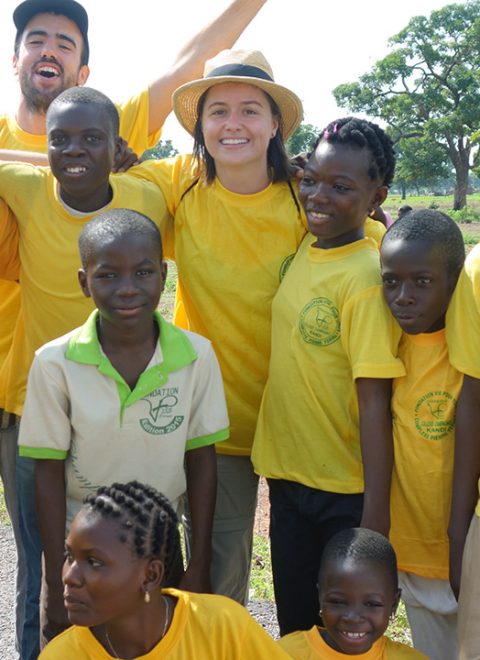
{"points": [[275, 126], [82, 76], [154, 573], [82, 280], [14, 64], [396, 600], [164, 272], [378, 198]]}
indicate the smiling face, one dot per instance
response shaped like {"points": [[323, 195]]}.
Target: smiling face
{"points": [[338, 194], [125, 277], [356, 599], [49, 59], [81, 152], [237, 126], [416, 284], [102, 576]]}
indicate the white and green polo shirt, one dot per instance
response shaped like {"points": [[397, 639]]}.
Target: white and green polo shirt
{"points": [[79, 409]]}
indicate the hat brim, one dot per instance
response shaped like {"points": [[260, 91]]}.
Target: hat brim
{"points": [[185, 101]]}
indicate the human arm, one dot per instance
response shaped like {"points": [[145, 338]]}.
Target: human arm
{"points": [[221, 33], [465, 474], [32, 157], [376, 443], [201, 469], [51, 512], [9, 254]]}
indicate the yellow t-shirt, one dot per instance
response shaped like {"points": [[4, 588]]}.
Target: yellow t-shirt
{"points": [[463, 322], [203, 627], [423, 405], [133, 127], [52, 301], [309, 645], [231, 251], [330, 325]]}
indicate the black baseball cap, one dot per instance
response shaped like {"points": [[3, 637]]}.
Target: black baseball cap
{"points": [[69, 8]]}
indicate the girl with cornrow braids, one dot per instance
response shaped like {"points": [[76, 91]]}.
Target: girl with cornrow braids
{"points": [[324, 435], [122, 551]]}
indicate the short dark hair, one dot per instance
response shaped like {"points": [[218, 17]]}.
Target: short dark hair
{"points": [[362, 134], [147, 522], [435, 229], [277, 158], [70, 9], [87, 96], [360, 544], [113, 224]]}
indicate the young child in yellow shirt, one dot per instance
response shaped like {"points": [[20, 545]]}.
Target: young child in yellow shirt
{"points": [[358, 591], [422, 255], [324, 433]]}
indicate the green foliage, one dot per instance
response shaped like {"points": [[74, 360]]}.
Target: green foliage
{"points": [[303, 139], [428, 86], [421, 162], [163, 149], [466, 215], [261, 585]]}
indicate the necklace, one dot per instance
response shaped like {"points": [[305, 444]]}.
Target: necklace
{"points": [[165, 626]]}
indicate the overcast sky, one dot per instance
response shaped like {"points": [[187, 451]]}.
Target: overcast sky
{"points": [[311, 51]]}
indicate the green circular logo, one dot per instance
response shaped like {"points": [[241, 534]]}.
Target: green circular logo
{"points": [[435, 415], [320, 322], [285, 266]]}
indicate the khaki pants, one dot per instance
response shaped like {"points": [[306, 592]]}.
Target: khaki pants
{"points": [[469, 601]]}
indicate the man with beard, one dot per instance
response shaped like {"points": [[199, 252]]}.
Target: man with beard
{"points": [[51, 55]]}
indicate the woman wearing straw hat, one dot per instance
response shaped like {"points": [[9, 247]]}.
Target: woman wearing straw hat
{"points": [[235, 224]]}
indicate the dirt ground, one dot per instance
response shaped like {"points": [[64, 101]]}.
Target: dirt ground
{"points": [[262, 516]]}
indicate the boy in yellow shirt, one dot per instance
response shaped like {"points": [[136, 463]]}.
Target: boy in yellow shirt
{"points": [[422, 255], [323, 438], [51, 206], [358, 592]]}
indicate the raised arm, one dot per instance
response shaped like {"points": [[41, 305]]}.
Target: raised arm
{"points": [[32, 157], [221, 33]]}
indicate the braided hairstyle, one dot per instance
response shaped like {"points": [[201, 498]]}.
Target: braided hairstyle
{"points": [[360, 544], [362, 134], [147, 520]]}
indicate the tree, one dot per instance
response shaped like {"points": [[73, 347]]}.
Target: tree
{"points": [[429, 86], [163, 149], [303, 139], [420, 162]]}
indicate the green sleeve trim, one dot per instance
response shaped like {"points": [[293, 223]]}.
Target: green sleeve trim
{"points": [[205, 440], [42, 452]]}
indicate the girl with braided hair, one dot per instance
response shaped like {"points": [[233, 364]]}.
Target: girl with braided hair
{"points": [[324, 434], [122, 551]]}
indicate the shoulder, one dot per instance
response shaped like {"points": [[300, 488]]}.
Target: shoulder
{"points": [[75, 642], [398, 651], [54, 350]]}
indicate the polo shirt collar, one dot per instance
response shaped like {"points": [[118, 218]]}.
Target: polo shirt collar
{"points": [[174, 348]]}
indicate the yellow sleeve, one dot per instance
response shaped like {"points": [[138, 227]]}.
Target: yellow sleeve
{"points": [[134, 119], [370, 336], [375, 230], [463, 319], [9, 257]]}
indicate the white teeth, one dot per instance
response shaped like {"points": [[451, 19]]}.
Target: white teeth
{"points": [[76, 170], [354, 635], [314, 214], [48, 69], [234, 141]]}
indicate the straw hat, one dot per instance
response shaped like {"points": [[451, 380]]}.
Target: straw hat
{"points": [[241, 66]]}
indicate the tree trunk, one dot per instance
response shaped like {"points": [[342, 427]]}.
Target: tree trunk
{"points": [[459, 149], [404, 190], [461, 185]]}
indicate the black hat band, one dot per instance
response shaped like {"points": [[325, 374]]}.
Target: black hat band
{"points": [[239, 70]]}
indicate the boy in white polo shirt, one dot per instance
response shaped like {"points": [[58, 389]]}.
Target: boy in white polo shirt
{"points": [[125, 396]]}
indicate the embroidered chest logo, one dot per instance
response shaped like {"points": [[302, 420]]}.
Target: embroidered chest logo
{"points": [[320, 322], [162, 418], [435, 415], [286, 263]]}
